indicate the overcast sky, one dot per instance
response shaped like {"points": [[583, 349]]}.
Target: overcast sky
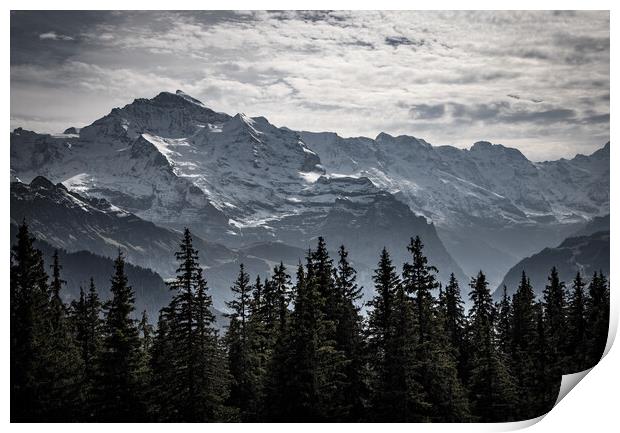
{"points": [[538, 81]]}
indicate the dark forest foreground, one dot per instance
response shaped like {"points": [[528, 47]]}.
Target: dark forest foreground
{"points": [[297, 352]]}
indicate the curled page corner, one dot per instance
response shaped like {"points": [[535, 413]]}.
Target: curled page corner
{"points": [[569, 381], [514, 425], [613, 326]]}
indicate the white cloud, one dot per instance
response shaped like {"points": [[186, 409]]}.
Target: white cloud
{"points": [[55, 36], [362, 72]]}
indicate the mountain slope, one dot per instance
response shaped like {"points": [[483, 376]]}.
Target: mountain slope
{"points": [[586, 254], [79, 267], [74, 222]]}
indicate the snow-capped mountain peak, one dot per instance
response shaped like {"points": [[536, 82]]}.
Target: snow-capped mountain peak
{"points": [[174, 161], [241, 123], [401, 140], [185, 96]]}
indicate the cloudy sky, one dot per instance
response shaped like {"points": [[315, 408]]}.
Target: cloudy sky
{"points": [[538, 81]]}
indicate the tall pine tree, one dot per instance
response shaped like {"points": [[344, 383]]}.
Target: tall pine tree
{"points": [[435, 364], [554, 303], [396, 395], [62, 363], [455, 322], [29, 328], [597, 315], [523, 334], [490, 388], [117, 373], [546, 384], [576, 327], [293, 380], [349, 339], [188, 352], [243, 392]]}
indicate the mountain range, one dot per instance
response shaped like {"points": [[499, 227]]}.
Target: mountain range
{"points": [[246, 188]]}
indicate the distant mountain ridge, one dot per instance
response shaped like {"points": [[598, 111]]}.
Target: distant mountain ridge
{"points": [[239, 180], [585, 253]]}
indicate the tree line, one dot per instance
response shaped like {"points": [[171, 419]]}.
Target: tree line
{"points": [[297, 352]]}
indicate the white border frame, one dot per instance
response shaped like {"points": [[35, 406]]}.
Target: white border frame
{"points": [[591, 407]]}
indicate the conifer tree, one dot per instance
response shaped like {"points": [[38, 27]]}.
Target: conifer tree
{"points": [[597, 316], [554, 303], [490, 388], [446, 393], [146, 335], [330, 374], [576, 327], [87, 326], [257, 296], [305, 364], [29, 327], [323, 279], [396, 395], [269, 307], [281, 282], [183, 389], [455, 322], [523, 334], [407, 395], [419, 281], [78, 320], [293, 379], [504, 323], [386, 281], [61, 391], [256, 310], [547, 380], [213, 378], [163, 370], [243, 390], [332, 360], [94, 326], [144, 374], [117, 372], [258, 348], [187, 351], [349, 339], [277, 340], [57, 307], [435, 365]]}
